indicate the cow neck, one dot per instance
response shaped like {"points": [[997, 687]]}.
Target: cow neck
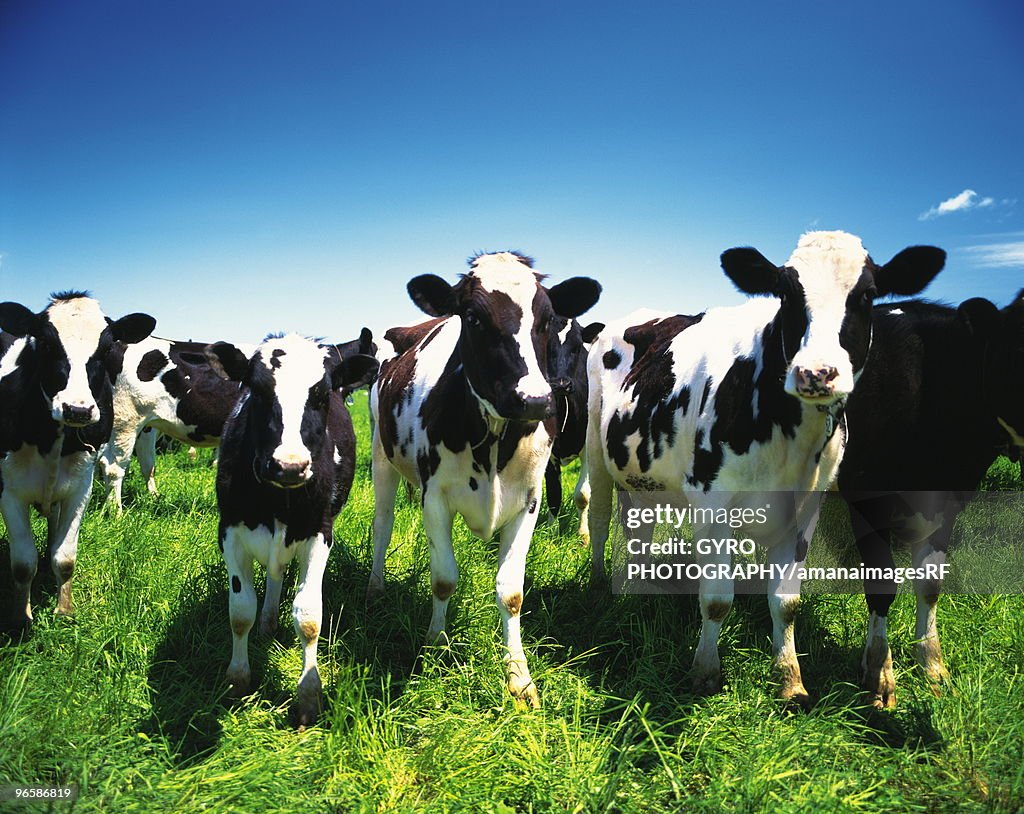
{"points": [[492, 440], [1004, 436]]}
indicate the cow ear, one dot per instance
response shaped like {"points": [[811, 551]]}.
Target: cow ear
{"points": [[432, 295], [132, 328], [592, 331], [366, 342], [227, 361], [979, 316], [358, 370], [750, 271], [574, 296], [909, 271], [16, 319]]}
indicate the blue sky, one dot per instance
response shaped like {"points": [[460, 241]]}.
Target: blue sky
{"points": [[240, 167]]}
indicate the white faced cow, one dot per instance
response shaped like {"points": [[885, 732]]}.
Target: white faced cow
{"points": [[55, 412], [743, 399], [169, 385], [466, 413], [287, 458]]}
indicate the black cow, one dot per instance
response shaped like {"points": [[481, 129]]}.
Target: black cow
{"points": [[941, 395], [567, 372], [56, 369], [287, 458]]}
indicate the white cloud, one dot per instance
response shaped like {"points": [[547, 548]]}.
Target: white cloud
{"points": [[999, 255], [968, 199]]}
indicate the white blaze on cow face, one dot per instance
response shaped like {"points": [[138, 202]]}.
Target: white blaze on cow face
{"points": [[296, 364], [505, 273], [829, 266], [79, 323]]}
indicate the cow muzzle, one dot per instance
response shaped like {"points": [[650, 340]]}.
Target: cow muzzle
{"points": [[78, 415], [561, 387], [816, 383], [531, 408], [288, 473]]}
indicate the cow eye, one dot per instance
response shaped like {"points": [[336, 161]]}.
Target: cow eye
{"points": [[472, 320], [867, 297]]}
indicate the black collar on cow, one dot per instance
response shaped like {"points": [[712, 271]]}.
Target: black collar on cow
{"points": [[491, 431], [833, 416]]}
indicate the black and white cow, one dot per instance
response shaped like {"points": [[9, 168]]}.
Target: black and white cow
{"points": [[941, 395], [287, 458], [567, 372], [742, 399], [56, 371], [169, 385], [466, 413]]}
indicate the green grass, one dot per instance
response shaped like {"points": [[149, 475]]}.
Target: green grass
{"points": [[128, 700]]}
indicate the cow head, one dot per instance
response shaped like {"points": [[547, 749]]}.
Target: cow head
{"points": [[289, 382], [567, 357], [998, 346], [72, 339], [506, 315], [827, 288]]}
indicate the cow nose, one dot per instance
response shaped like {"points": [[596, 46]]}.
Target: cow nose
{"points": [[290, 472], [536, 408], [76, 416], [815, 381], [561, 387]]}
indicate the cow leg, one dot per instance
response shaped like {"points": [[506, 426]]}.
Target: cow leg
{"points": [[145, 452], [444, 571], [600, 514], [307, 615], [114, 463], [515, 545], [271, 603], [868, 518], [553, 486], [930, 553], [385, 488], [582, 499], [716, 595], [63, 526], [783, 601], [241, 609], [24, 557]]}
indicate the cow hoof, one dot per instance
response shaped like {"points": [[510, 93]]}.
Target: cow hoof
{"points": [[374, 592], [930, 660], [17, 628], [525, 692], [881, 692], [239, 684], [707, 684], [796, 697], [438, 638], [305, 712]]}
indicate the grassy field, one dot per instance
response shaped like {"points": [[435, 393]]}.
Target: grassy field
{"points": [[129, 700]]}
